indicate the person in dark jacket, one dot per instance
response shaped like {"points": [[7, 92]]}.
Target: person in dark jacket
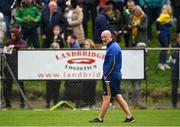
{"points": [[115, 20], [52, 87], [89, 6], [73, 42], [5, 8], [176, 7], [57, 32], [50, 18], [175, 73], [14, 43], [112, 78], [61, 5], [73, 88], [101, 24]]}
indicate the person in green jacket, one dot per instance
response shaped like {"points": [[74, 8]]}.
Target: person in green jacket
{"points": [[28, 17]]}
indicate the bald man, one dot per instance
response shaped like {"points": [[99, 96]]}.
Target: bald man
{"points": [[112, 78], [51, 17], [53, 6]]}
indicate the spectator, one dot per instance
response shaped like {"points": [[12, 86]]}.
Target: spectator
{"points": [[50, 18], [89, 86], [33, 2], [115, 20], [89, 44], [127, 14], [57, 36], [89, 6], [136, 84], [28, 16], [53, 86], [2, 29], [73, 42], [175, 73], [136, 2], [164, 26], [102, 4], [119, 4], [17, 26], [15, 43], [138, 25], [73, 88], [74, 17], [42, 3], [101, 24], [176, 6], [152, 8], [5, 8], [61, 4]]}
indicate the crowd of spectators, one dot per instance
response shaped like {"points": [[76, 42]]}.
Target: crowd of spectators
{"points": [[38, 17]]}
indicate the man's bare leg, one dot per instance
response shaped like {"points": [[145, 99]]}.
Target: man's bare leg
{"points": [[123, 104], [104, 107]]}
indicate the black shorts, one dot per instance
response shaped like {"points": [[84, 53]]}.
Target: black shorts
{"points": [[113, 87]]}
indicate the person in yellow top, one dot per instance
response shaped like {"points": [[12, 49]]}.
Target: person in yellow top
{"points": [[138, 26], [164, 26], [165, 16]]}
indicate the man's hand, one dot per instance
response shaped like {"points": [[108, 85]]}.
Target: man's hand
{"points": [[33, 21], [11, 46], [26, 20], [44, 37], [104, 77]]}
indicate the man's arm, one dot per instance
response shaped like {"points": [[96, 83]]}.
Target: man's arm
{"points": [[109, 66], [18, 17]]}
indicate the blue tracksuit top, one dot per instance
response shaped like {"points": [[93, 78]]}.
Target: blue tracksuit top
{"points": [[113, 61]]}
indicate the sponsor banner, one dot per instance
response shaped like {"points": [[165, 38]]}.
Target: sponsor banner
{"points": [[73, 64]]}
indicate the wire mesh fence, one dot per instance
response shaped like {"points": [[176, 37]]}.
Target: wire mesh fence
{"points": [[158, 90]]}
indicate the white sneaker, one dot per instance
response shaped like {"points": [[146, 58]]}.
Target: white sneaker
{"points": [[166, 66], [161, 67]]}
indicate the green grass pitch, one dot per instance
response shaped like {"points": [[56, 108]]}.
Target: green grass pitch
{"points": [[114, 117]]}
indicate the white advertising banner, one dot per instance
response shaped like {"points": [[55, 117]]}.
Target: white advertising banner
{"points": [[74, 64]]}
